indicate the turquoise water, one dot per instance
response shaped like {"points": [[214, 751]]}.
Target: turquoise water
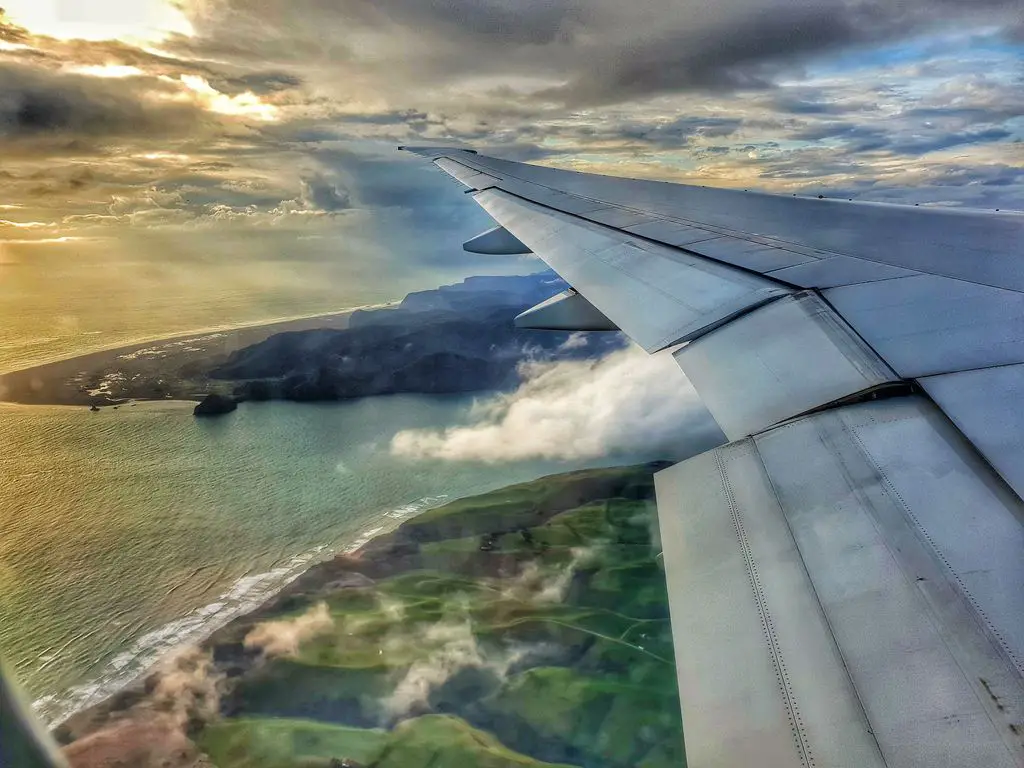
{"points": [[128, 532]]}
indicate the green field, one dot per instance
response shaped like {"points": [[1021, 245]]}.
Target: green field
{"points": [[525, 627]]}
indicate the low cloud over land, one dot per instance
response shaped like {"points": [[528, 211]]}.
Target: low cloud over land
{"points": [[283, 638]]}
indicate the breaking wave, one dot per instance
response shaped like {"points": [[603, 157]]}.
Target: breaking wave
{"points": [[243, 596]]}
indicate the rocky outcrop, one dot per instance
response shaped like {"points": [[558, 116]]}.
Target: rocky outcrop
{"points": [[215, 405]]}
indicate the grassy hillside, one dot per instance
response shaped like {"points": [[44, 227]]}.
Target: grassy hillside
{"points": [[524, 627]]}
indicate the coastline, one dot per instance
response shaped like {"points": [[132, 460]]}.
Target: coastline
{"points": [[145, 341], [246, 596], [524, 626], [79, 380]]}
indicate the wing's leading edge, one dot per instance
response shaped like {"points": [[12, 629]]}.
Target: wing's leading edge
{"points": [[846, 577]]}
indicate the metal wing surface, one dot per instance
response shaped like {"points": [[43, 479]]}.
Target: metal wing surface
{"points": [[846, 576]]}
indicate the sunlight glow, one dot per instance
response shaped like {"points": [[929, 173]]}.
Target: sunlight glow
{"points": [[106, 70], [171, 157], [129, 20], [23, 224], [245, 104]]}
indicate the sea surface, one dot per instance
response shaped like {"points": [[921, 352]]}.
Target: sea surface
{"points": [[126, 533]]}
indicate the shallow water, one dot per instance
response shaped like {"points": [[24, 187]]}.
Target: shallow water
{"points": [[127, 532]]}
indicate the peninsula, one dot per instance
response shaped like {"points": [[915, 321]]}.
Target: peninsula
{"points": [[457, 338]]}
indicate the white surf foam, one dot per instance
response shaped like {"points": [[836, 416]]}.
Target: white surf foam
{"points": [[244, 596]]}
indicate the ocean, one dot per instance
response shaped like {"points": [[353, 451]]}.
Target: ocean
{"points": [[126, 533]]}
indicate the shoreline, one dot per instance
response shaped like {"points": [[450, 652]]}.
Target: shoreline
{"points": [[87, 379], [203, 622], [142, 342], [463, 634]]}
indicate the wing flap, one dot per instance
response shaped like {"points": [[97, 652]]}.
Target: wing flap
{"points": [[884, 627], [897, 520], [838, 270], [779, 361], [760, 677], [749, 254]]}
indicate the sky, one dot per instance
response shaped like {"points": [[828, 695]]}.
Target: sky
{"points": [[215, 161]]}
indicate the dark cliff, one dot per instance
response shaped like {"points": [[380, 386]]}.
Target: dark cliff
{"points": [[453, 339]]}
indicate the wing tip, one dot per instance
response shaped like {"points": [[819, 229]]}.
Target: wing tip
{"points": [[434, 150]]}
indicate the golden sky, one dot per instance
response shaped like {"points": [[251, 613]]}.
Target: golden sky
{"points": [[145, 22], [211, 161]]}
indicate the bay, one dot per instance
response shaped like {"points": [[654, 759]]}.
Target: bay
{"points": [[128, 532]]}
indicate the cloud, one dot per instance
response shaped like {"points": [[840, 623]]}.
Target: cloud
{"points": [[452, 648], [183, 695], [455, 648], [321, 193], [284, 637], [564, 51], [575, 341], [187, 688], [628, 403], [36, 103], [541, 585], [279, 118]]}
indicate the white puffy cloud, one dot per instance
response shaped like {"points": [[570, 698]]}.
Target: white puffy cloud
{"points": [[627, 403]]}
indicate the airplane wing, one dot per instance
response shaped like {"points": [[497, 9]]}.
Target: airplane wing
{"points": [[846, 576]]}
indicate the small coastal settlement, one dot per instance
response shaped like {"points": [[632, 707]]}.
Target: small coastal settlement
{"points": [[524, 627]]}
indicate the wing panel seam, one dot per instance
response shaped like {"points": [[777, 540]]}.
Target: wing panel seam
{"points": [[922, 531], [796, 724], [817, 599], [505, 175]]}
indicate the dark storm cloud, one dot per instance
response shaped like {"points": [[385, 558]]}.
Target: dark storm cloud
{"points": [[897, 139], [589, 53], [323, 194], [260, 83], [678, 132], [39, 103]]}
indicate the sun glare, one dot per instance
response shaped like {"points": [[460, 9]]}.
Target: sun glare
{"points": [[245, 104], [141, 21], [107, 70]]}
